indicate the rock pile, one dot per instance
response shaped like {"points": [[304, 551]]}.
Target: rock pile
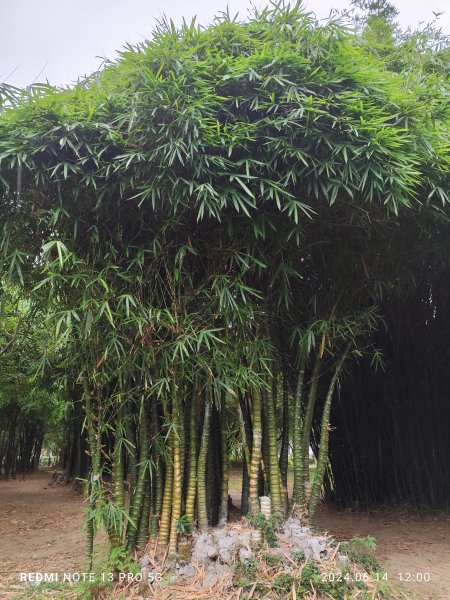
{"points": [[217, 551], [296, 537]]}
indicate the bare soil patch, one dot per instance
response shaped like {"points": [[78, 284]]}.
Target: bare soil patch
{"points": [[40, 528], [407, 544]]}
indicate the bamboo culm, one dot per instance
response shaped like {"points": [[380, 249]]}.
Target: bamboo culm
{"points": [[223, 513], [299, 489], [255, 460], [273, 464], [143, 466], [322, 459], [192, 466], [202, 516], [306, 429]]}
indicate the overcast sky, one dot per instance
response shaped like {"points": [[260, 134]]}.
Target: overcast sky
{"points": [[61, 40]]}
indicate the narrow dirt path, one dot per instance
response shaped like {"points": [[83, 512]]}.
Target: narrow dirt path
{"points": [[40, 528]]}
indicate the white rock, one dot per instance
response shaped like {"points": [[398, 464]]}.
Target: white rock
{"points": [[144, 561], [245, 555], [187, 571]]}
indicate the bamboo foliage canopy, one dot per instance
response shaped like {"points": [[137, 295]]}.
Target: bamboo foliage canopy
{"points": [[247, 131], [257, 137], [273, 116]]}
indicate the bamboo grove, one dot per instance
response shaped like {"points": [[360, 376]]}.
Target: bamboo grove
{"points": [[29, 406], [397, 449], [209, 227]]}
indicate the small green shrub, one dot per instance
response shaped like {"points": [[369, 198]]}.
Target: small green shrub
{"points": [[312, 577], [362, 551], [121, 561], [299, 556], [267, 527], [272, 560], [245, 573], [182, 525], [282, 584]]}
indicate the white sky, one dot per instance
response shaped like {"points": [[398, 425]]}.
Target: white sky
{"points": [[61, 40]]}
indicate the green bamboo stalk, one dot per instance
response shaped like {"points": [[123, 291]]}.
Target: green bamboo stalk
{"points": [[143, 531], [118, 466], [299, 489], [138, 497], [177, 474], [213, 470], [182, 441], [131, 447], [263, 485], [322, 459], [166, 507], [157, 480], [202, 515], [95, 453], [256, 453], [245, 427], [118, 484], [156, 499], [192, 472], [284, 450], [223, 513], [245, 484], [273, 465], [306, 428]]}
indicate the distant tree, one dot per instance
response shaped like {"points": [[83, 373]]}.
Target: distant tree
{"points": [[377, 22], [380, 9]]}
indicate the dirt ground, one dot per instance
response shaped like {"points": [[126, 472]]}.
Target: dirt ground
{"points": [[40, 528], [40, 531], [407, 544]]}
